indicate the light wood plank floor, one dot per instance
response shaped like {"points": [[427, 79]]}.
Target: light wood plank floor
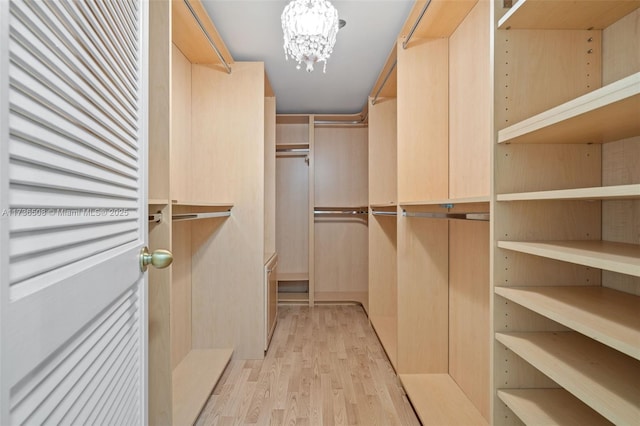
{"points": [[325, 366]]}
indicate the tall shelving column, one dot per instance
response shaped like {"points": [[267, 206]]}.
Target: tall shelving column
{"points": [[383, 211], [340, 240], [566, 241], [444, 152], [292, 207]]}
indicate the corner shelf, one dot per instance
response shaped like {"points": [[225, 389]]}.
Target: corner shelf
{"points": [[566, 15], [606, 114], [611, 317], [550, 407], [157, 201], [439, 401], [599, 376], [617, 192], [611, 256]]}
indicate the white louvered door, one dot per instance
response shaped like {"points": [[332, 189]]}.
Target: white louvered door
{"points": [[73, 211]]}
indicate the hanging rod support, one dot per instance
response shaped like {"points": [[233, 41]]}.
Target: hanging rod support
{"points": [[415, 24], [375, 98], [206, 34]]}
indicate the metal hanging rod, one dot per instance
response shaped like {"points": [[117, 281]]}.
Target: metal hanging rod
{"points": [[193, 216], [208, 37], [375, 98], [415, 24], [343, 211], [463, 216], [155, 217], [383, 213]]}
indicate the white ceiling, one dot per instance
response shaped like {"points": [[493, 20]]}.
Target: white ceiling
{"points": [[252, 31]]}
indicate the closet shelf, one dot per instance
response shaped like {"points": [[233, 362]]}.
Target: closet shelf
{"points": [[290, 146], [611, 256], [618, 192], [604, 115], [439, 401], [550, 407], [293, 276], [566, 15], [611, 317], [194, 379], [601, 377], [447, 202], [291, 297], [157, 201], [440, 19]]}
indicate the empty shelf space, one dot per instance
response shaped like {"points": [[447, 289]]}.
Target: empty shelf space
{"points": [[550, 407], [608, 316], [194, 379], [604, 115], [616, 257], [601, 377], [566, 15], [293, 276], [291, 297], [438, 400], [617, 192]]}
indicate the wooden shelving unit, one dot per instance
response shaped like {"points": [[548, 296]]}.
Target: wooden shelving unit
{"points": [[614, 192], [566, 258], [611, 317], [439, 401], [194, 173], [602, 378], [192, 380], [575, 15], [611, 256], [444, 143], [550, 407], [603, 115]]}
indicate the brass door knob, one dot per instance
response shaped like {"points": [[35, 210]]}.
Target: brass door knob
{"points": [[158, 259]]}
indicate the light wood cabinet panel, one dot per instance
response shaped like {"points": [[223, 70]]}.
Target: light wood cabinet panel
{"points": [[340, 156], [423, 296], [470, 101], [469, 317], [566, 247], [383, 152], [207, 154]]}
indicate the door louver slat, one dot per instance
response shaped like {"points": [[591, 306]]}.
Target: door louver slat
{"points": [[41, 23], [111, 334]]}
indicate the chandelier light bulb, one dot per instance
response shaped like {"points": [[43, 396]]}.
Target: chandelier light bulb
{"points": [[310, 28]]}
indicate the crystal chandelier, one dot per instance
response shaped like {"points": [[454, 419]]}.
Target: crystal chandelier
{"points": [[310, 28]]}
